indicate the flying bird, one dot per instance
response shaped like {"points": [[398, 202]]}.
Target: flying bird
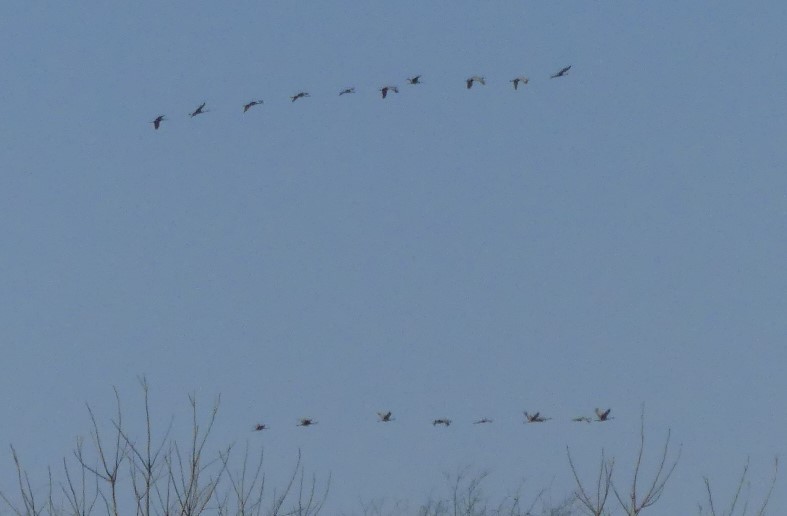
{"points": [[536, 418], [259, 426], [445, 422], [200, 110], [300, 96], [582, 419], [563, 71], [385, 89], [251, 104], [385, 417], [475, 78], [157, 122], [482, 421], [414, 80], [346, 91], [516, 80], [603, 415], [306, 422]]}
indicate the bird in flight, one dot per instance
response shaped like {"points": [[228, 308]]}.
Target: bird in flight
{"points": [[157, 122], [306, 422], [385, 417], [444, 422], [414, 80], [536, 418], [482, 421], [385, 89], [346, 91], [475, 78], [603, 415], [259, 427], [251, 104], [300, 96], [563, 71], [200, 110], [582, 419], [516, 80]]}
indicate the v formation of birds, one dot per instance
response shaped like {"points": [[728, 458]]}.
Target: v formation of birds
{"points": [[602, 416], [384, 92]]}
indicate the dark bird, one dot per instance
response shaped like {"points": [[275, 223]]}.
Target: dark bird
{"points": [[445, 422], [157, 122], [582, 419], [346, 91], [385, 417], [561, 73], [517, 80], [306, 422], [251, 104], [200, 110], [385, 89], [536, 418], [482, 421], [259, 427], [603, 415], [414, 80], [475, 78], [299, 96]]}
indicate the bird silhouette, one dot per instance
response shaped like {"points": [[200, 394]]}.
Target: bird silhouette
{"points": [[259, 427], [300, 95], [444, 422], [346, 91], [385, 417], [414, 80], [482, 421], [582, 419], [199, 111], [157, 122], [306, 422], [563, 71], [517, 80], [603, 415], [475, 78], [251, 104], [536, 418], [385, 89]]}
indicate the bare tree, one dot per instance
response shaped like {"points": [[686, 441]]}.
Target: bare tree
{"points": [[743, 485], [166, 477], [634, 501], [594, 502]]}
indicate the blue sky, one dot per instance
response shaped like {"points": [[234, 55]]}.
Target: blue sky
{"points": [[611, 238]]}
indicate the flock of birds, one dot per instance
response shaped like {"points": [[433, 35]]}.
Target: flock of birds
{"points": [[384, 91], [536, 417]]}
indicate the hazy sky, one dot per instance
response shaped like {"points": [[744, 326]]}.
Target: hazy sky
{"points": [[610, 238]]}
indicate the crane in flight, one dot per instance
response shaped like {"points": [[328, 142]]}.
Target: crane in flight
{"points": [[442, 421], [306, 422], [199, 111], [157, 122], [603, 415], [385, 417], [536, 418], [414, 80], [563, 71], [251, 104], [385, 89], [516, 80], [345, 91], [475, 78], [300, 95]]}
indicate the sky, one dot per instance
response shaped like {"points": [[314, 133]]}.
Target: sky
{"points": [[611, 238]]}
